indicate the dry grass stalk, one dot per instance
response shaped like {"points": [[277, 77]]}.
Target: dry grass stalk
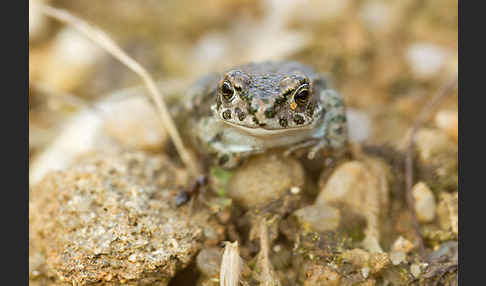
{"points": [[231, 265], [267, 274], [103, 40]]}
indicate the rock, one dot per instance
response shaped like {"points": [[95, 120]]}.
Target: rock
{"points": [[359, 125], [402, 245], [141, 130], [397, 257], [71, 60], [112, 218], [318, 218], [265, 178], [415, 270], [360, 187], [365, 271], [425, 59], [208, 261], [38, 22], [448, 120], [431, 143], [438, 157], [375, 15], [321, 275], [447, 211], [424, 202]]}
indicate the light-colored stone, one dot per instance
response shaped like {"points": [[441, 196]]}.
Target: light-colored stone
{"points": [[359, 125], [265, 178], [415, 270], [448, 120], [360, 187], [112, 217], [38, 22], [397, 257], [426, 59], [431, 142], [375, 15], [134, 123], [402, 244], [71, 59], [425, 205], [365, 271], [447, 211]]}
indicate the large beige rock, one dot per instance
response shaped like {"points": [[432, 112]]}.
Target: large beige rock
{"points": [[265, 178], [111, 218], [360, 187]]}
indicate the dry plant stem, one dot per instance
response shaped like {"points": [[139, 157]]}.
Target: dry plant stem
{"points": [[100, 38], [431, 105], [231, 265], [267, 275]]}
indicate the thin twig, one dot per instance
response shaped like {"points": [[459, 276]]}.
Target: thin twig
{"points": [[431, 105], [103, 40]]}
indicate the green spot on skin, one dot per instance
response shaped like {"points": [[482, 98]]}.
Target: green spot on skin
{"points": [[220, 180]]}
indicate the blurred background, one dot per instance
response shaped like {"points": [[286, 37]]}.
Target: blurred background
{"points": [[386, 57]]}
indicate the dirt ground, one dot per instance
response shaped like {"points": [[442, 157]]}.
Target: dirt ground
{"points": [[108, 213]]}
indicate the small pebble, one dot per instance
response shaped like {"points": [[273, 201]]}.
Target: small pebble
{"points": [[402, 244], [375, 15], [426, 59], [448, 121], [424, 202], [208, 261], [38, 22], [415, 270], [397, 257], [359, 125], [140, 130], [365, 271], [447, 211], [71, 60], [431, 143]]}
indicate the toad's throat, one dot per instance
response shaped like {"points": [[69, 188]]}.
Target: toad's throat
{"points": [[262, 131]]}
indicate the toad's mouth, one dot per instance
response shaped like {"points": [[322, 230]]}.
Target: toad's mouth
{"points": [[264, 131]]}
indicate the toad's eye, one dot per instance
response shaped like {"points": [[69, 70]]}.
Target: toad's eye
{"points": [[302, 95], [227, 91]]}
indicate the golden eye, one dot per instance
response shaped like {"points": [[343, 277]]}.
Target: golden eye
{"points": [[227, 90], [302, 95]]}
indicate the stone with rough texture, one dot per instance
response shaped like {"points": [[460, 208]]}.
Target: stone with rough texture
{"points": [[110, 219]]}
